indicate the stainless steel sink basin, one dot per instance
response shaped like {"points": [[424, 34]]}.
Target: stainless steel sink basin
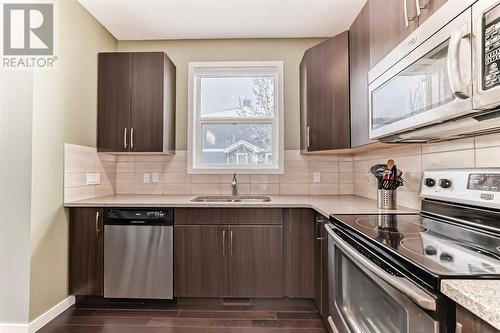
{"points": [[239, 198]]}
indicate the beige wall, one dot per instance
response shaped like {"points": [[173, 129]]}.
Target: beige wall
{"points": [[183, 51], [480, 152], [64, 111]]}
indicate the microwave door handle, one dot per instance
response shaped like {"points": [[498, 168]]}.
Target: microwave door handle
{"points": [[459, 88], [411, 290]]}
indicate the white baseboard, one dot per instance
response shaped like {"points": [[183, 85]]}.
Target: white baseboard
{"points": [[14, 328], [48, 316], [40, 321]]}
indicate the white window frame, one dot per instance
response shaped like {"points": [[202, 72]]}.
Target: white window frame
{"points": [[234, 68]]}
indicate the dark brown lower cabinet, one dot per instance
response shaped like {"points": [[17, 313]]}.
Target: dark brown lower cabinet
{"points": [[256, 261], [228, 216], [321, 266], [228, 261], [268, 259], [86, 252], [470, 323], [200, 261], [300, 237]]}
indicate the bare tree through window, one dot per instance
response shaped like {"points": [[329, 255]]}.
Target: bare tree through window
{"points": [[263, 89]]}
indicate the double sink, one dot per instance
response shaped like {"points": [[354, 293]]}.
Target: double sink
{"points": [[228, 198]]}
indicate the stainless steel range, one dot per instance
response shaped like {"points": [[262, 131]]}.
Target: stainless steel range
{"points": [[385, 270]]}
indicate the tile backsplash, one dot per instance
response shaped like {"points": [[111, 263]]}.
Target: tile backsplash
{"points": [[125, 174], [339, 174], [80, 160], [481, 151]]}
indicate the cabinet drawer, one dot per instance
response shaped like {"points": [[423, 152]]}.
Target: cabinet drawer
{"points": [[222, 216]]}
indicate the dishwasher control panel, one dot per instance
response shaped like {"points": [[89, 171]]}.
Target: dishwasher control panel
{"points": [[139, 216]]}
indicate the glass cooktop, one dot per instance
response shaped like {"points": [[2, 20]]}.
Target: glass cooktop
{"points": [[441, 248]]}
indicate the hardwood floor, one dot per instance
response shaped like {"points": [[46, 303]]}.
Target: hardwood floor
{"points": [[189, 316]]}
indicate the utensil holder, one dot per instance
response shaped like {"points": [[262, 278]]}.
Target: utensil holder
{"points": [[387, 199]]}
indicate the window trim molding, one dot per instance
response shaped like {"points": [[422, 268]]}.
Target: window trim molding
{"points": [[194, 69]]}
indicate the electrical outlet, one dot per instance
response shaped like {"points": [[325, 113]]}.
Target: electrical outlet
{"points": [[317, 177], [147, 178], [155, 177], [93, 178]]}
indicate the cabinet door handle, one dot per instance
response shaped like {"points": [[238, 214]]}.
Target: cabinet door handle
{"points": [[319, 220], [231, 243], [223, 243], [407, 19], [418, 7], [458, 328], [308, 138], [132, 138], [125, 138], [97, 230]]}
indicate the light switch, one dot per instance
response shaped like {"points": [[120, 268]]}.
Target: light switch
{"points": [[317, 177], [155, 177], [147, 178], [93, 178]]}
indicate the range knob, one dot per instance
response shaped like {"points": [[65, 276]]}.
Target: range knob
{"points": [[445, 257], [429, 182], [430, 250], [445, 183]]}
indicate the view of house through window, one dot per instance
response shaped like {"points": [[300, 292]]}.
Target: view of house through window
{"points": [[235, 116]]}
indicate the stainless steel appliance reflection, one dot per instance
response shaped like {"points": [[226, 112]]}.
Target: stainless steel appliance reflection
{"points": [[369, 297], [138, 253], [443, 81], [385, 270]]}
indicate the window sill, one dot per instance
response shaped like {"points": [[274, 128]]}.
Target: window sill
{"points": [[229, 171]]}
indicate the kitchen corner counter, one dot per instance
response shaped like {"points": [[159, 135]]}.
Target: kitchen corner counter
{"points": [[481, 297], [323, 204]]}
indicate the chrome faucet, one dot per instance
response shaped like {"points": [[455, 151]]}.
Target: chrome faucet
{"points": [[234, 186]]}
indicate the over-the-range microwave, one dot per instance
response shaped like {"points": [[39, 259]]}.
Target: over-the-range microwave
{"points": [[443, 81]]}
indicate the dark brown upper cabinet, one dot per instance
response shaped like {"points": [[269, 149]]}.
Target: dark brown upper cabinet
{"points": [[136, 102], [86, 252], [429, 7], [359, 62], [324, 75], [391, 21]]}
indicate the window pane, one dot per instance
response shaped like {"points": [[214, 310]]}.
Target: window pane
{"points": [[237, 96], [236, 144]]}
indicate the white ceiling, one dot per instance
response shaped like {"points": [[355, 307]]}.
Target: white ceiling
{"points": [[191, 19]]}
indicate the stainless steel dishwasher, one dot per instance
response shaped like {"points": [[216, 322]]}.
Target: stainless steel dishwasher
{"points": [[138, 253]]}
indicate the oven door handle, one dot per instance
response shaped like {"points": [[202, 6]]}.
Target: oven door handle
{"points": [[332, 325], [411, 290], [459, 87]]}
